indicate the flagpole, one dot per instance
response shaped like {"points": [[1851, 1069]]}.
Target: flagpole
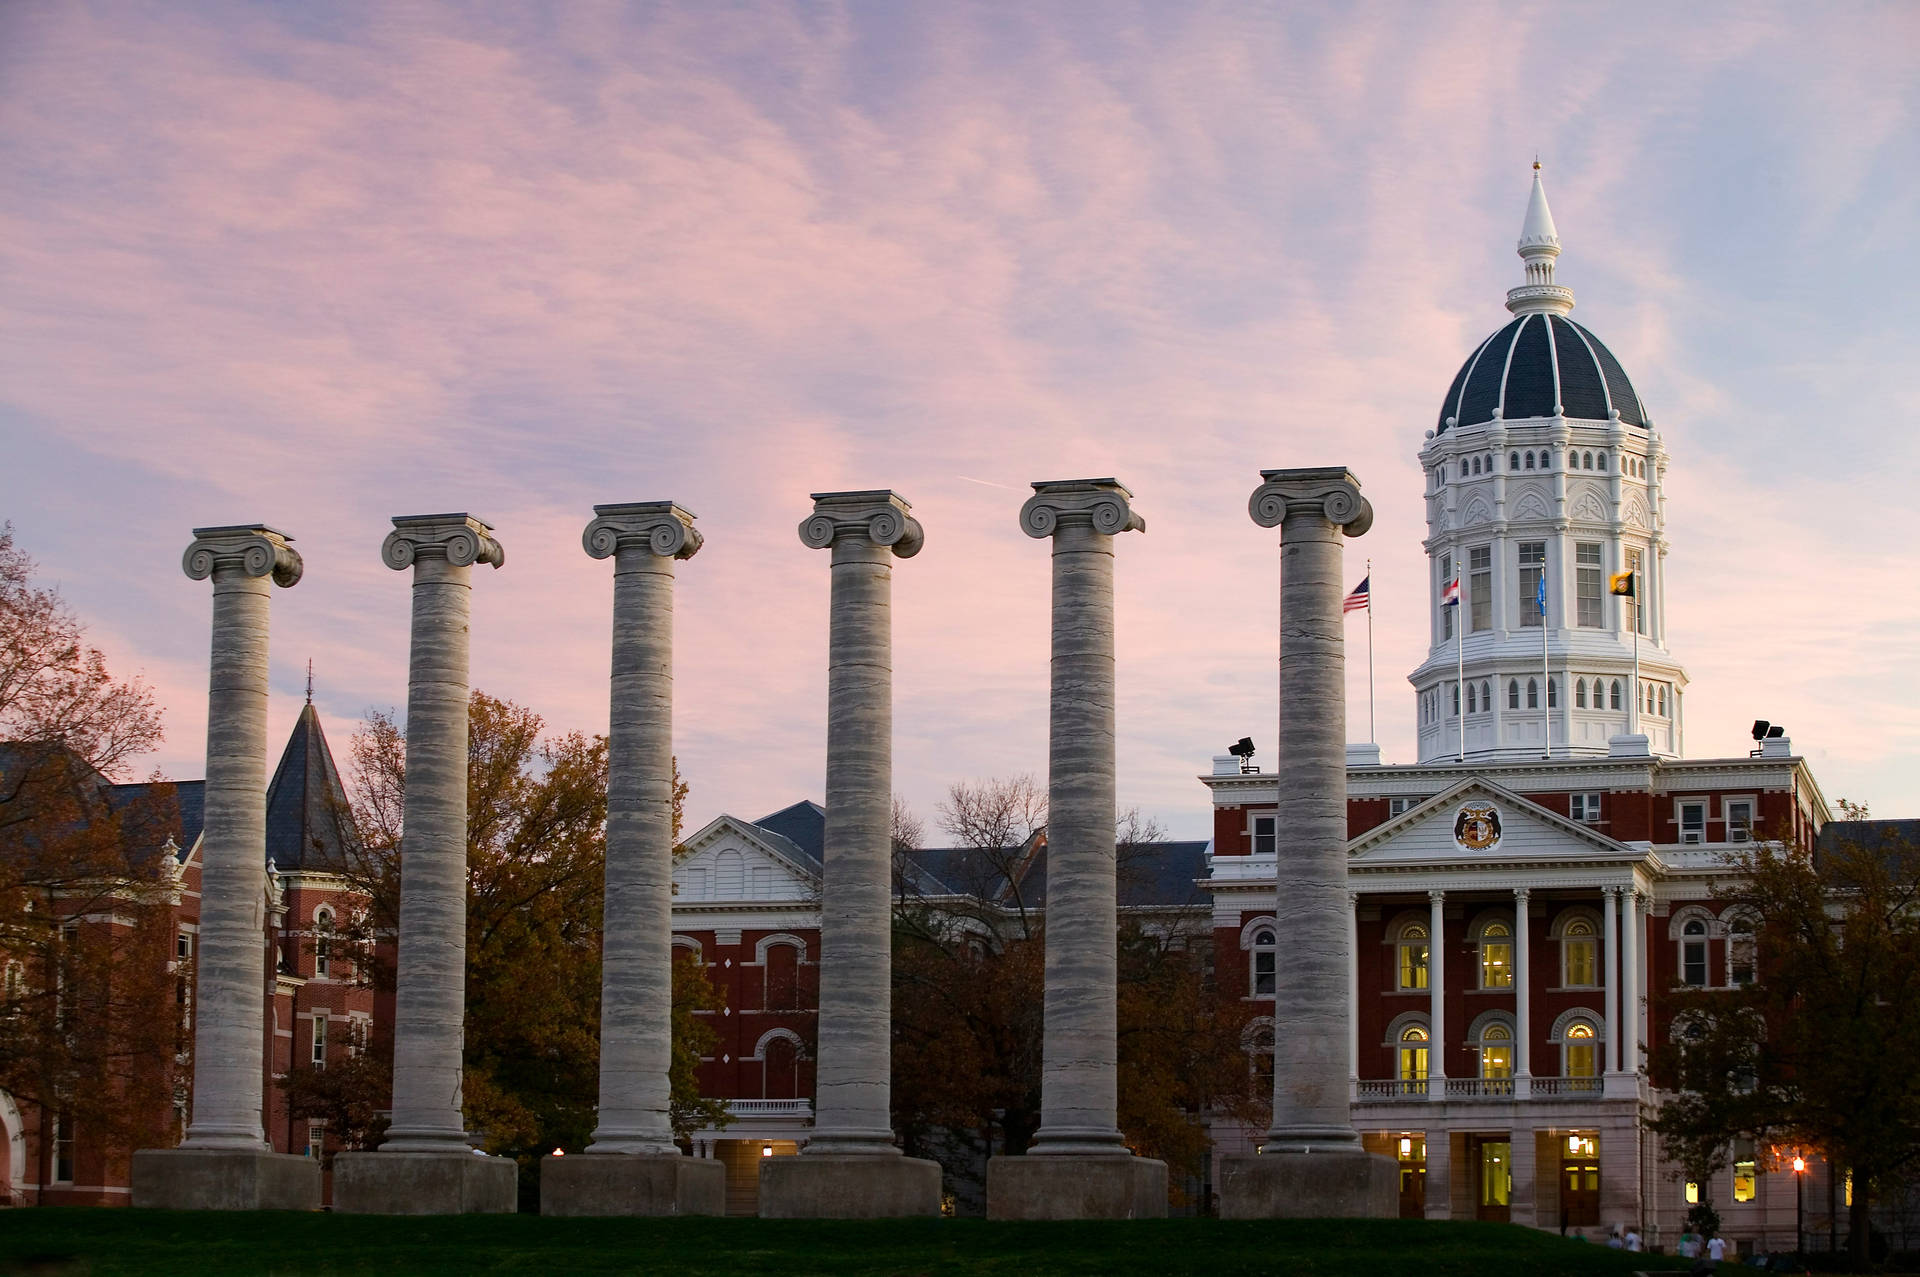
{"points": [[1635, 583], [1373, 734], [1460, 668], [1546, 675]]}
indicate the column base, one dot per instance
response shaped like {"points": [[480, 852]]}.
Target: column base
{"points": [[632, 1184], [1068, 1186], [825, 1186], [1330, 1185], [224, 1179], [450, 1183]]}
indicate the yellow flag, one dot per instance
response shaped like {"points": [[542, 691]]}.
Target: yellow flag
{"points": [[1621, 583]]}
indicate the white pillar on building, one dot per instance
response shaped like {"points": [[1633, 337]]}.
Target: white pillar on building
{"points": [[1437, 996], [1353, 988], [1522, 998], [1630, 980], [1610, 963]]}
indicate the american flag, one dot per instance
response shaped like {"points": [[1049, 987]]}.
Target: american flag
{"points": [[1450, 593], [1357, 601]]}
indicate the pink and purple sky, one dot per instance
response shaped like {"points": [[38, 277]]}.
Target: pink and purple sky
{"points": [[318, 265]]}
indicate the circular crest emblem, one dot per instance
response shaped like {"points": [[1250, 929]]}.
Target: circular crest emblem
{"points": [[1477, 827]]}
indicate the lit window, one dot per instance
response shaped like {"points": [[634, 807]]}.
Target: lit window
{"points": [[1496, 1051], [1496, 956], [1739, 820], [1413, 956], [1265, 835], [1579, 946], [1746, 1172], [1693, 953], [1577, 1054], [1693, 822], [1413, 1053], [1693, 1193]]}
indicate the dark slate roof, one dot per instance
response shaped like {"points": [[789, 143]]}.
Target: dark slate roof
{"points": [[1871, 835], [157, 811], [802, 827], [1513, 373], [309, 824]]}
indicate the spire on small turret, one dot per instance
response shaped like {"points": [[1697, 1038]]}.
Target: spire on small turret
{"points": [[1539, 246]]}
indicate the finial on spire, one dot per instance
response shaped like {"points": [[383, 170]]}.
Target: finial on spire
{"points": [[309, 680], [1539, 246]]}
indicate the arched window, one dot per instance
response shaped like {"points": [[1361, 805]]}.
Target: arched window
{"points": [[1580, 693], [1410, 952], [1662, 690], [1693, 952], [1579, 954], [1476, 465], [1257, 1041], [1603, 462], [1529, 461], [779, 1053], [1456, 700], [1553, 693], [1473, 699], [782, 963], [1578, 1057], [1261, 958], [322, 943], [1513, 693], [1589, 461], [1616, 693], [1489, 460], [1533, 694], [1513, 461], [1486, 695], [1495, 1043], [1495, 941], [1412, 1061]]}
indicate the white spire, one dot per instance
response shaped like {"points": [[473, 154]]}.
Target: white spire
{"points": [[1539, 245]]}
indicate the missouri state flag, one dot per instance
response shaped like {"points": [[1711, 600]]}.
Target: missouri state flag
{"points": [[1357, 601], [1450, 593]]}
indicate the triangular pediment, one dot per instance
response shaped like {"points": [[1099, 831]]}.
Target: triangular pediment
{"points": [[731, 861], [1479, 822]]}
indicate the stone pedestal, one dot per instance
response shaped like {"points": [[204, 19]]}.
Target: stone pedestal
{"points": [[1082, 1187], [1342, 1184], [826, 1186], [224, 1179], [632, 1184], [1311, 1162], [451, 1183]]}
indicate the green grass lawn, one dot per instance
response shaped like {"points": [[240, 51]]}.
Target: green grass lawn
{"points": [[150, 1243]]}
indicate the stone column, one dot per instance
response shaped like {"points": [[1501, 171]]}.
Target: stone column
{"points": [[1311, 1163], [1079, 1166], [1437, 995], [1439, 1173], [1522, 997], [1522, 1150], [427, 1166], [851, 1167], [633, 1167], [1353, 993], [1632, 930], [1610, 958], [225, 1162]]}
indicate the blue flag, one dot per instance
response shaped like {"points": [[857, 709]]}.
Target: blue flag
{"points": [[1540, 595]]}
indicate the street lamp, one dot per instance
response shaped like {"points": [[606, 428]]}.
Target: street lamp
{"points": [[1799, 1210]]}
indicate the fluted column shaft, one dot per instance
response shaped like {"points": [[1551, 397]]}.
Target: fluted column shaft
{"points": [[853, 1084], [1316, 511], [231, 963], [431, 968], [636, 984]]}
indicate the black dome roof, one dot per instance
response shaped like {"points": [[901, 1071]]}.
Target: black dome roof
{"points": [[1520, 370]]}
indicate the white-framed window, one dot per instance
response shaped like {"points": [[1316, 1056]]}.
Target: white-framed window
{"points": [[1589, 588], [1400, 806], [62, 1149], [1578, 1036], [1260, 960], [1586, 808], [1692, 817], [1446, 613], [1411, 953], [1411, 1042], [183, 945], [1493, 936], [1480, 592], [1492, 1039], [1739, 814], [1265, 829], [1580, 954], [1533, 564], [323, 943], [319, 1041], [1693, 952], [1636, 614], [316, 1137]]}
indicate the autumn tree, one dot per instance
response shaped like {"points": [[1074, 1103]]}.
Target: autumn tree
{"points": [[90, 1024], [1814, 1051]]}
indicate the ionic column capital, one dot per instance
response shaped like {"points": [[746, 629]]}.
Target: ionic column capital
{"points": [[661, 527], [880, 516], [1104, 505], [1331, 491], [460, 539], [253, 549]]}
